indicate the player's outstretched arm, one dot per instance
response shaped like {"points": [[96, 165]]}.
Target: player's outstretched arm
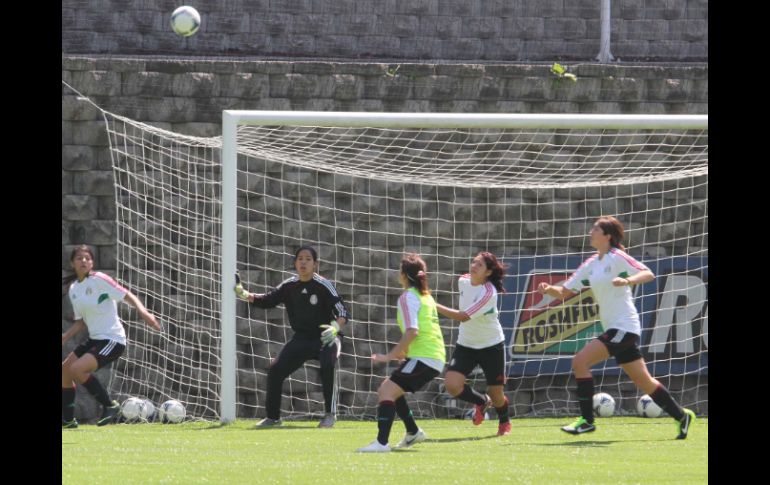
{"points": [[131, 299]]}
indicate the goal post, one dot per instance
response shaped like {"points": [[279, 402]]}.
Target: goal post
{"points": [[229, 184], [364, 188]]}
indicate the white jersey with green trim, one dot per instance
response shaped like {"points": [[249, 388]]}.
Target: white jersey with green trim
{"points": [[616, 303], [480, 304], [94, 301]]}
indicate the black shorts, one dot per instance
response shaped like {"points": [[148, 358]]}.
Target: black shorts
{"points": [[622, 345], [105, 351], [491, 359], [412, 375]]}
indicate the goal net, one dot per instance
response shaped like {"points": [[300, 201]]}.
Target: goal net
{"points": [[364, 188]]}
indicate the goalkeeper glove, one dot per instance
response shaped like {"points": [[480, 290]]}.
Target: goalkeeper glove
{"points": [[330, 332], [239, 291]]}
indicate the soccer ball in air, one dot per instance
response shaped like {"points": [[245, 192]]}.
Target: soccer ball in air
{"points": [[604, 405], [647, 408], [131, 409], [171, 411], [185, 21]]}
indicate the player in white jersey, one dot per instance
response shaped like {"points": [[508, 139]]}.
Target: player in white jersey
{"points": [[610, 272], [93, 296], [480, 340]]}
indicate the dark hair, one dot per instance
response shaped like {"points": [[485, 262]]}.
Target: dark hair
{"points": [[613, 228], [415, 269], [498, 270], [78, 249], [308, 248]]}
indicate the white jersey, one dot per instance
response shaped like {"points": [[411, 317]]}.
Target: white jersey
{"points": [[480, 304], [616, 304], [94, 301]]}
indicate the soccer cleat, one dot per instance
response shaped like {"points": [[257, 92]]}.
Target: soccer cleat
{"points": [[580, 426], [327, 421], [504, 428], [69, 424], [479, 410], [410, 439], [683, 426], [110, 414], [374, 447], [269, 423]]}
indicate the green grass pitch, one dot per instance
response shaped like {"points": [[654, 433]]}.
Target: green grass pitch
{"points": [[621, 450]]}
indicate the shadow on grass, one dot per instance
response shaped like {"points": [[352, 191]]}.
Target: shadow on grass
{"points": [[457, 440], [284, 427], [212, 426], [592, 443]]}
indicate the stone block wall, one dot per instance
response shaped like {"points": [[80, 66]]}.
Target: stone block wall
{"points": [[475, 30]]}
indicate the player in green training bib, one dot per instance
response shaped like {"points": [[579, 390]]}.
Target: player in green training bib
{"points": [[421, 344]]}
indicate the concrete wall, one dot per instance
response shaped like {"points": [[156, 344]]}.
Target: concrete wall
{"points": [[187, 96], [494, 30]]}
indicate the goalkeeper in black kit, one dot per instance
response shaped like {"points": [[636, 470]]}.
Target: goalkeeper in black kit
{"points": [[317, 314]]}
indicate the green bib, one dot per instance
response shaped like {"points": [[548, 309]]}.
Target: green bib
{"points": [[430, 341]]}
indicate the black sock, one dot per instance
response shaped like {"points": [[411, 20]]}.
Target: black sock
{"points": [[472, 396], [502, 412], [402, 408], [327, 384], [385, 413], [67, 403], [663, 398], [585, 392], [97, 390]]}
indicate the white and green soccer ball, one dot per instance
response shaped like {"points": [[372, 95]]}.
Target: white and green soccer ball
{"points": [[604, 405], [171, 411], [647, 408], [185, 21]]}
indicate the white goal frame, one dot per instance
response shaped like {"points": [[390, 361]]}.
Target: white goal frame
{"points": [[232, 119]]}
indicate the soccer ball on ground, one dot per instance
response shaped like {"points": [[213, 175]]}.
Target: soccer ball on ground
{"points": [[131, 409], [171, 411], [647, 408], [185, 21], [604, 405], [147, 411]]}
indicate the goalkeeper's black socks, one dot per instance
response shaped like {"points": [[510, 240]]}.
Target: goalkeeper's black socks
{"points": [[97, 390], [502, 412], [585, 394], [385, 414], [67, 403], [402, 408], [663, 398], [472, 396]]}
